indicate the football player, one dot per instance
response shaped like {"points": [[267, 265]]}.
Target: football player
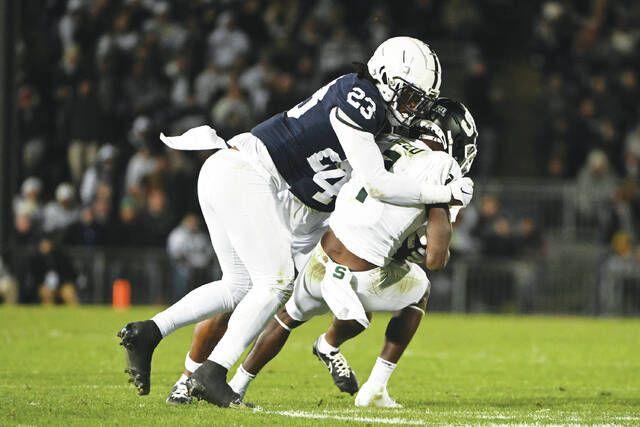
{"points": [[359, 255], [281, 180]]}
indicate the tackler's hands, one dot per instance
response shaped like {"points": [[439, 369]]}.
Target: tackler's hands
{"points": [[461, 191]]}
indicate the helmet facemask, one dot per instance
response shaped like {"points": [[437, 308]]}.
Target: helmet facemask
{"points": [[464, 156], [409, 102]]}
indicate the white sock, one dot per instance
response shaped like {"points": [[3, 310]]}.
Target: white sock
{"points": [[381, 372], [324, 347], [246, 322], [241, 380], [190, 364], [199, 304], [183, 378]]}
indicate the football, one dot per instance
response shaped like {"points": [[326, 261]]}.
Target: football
{"points": [[413, 248]]}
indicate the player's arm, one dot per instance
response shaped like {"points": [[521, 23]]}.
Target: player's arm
{"points": [[365, 158], [438, 237]]}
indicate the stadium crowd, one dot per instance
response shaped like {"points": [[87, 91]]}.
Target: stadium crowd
{"points": [[98, 80]]}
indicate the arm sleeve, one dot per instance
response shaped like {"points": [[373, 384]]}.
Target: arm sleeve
{"points": [[366, 160]]}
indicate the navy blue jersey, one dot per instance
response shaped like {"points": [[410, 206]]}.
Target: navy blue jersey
{"points": [[303, 145]]}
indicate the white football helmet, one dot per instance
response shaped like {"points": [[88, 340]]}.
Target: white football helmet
{"points": [[408, 75]]}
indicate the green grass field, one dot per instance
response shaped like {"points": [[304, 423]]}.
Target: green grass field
{"points": [[63, 366]]}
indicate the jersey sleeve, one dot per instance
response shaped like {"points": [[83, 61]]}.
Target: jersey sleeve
{"points": [[366, 161], [359, 100]]}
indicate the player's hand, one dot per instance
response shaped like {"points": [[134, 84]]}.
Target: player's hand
{"points": [[461, 191], [417, 244]]}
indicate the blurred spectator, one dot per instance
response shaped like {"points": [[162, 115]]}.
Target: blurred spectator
{"points": [[463, 240], [157, 218], [232, 113], [173, 36], [26, 231], [283, 93], [493, 229], [339, 51], [209, 83], [52, 274], [181, 92], [190, 251], [280, 18], [251, 20], [595, 187], [254, 81], [85, 122], [101, 172], [624, 211], [28, 202], [227, 43], [145, 92], [620, 266], [32, 126], [59, 214], [128, 229], [632, 153], [87, 231], [142, 163], [8, 286]]}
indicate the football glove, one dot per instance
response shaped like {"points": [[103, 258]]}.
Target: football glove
{"points": [[462, 191]]}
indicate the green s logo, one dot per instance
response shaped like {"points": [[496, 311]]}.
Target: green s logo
{"points": [[339, 272]]}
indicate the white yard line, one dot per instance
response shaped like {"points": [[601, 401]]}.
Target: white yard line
{"points": [[351, 416], [325, 416]]}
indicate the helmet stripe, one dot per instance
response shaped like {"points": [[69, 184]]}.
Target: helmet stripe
{"points": [[436, 82]]}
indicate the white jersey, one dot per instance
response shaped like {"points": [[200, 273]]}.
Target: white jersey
{"points": [[373, 230]]}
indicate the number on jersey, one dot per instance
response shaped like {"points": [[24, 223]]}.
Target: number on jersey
{"points": [[355, 98], [323, 174], [310, 102]]}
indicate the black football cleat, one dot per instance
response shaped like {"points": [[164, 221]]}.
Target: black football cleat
{"points": [[209, 382], [140, 339], [343, 377]]}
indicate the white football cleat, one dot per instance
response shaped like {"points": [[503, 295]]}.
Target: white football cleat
{"points": [[378, 396], [179, 394]]}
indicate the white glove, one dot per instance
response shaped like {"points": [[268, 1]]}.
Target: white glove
{"points": [[461, 191]]}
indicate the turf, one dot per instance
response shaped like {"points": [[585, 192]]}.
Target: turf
{"points": [[63, 366]]}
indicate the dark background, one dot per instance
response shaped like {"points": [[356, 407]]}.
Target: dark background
{"points": [[88, 85]]}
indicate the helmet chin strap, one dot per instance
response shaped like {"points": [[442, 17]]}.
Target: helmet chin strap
{"points": [[391, 117]]}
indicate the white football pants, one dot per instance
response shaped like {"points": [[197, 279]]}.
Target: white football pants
{"points": [[253, 222], [389, 288]]}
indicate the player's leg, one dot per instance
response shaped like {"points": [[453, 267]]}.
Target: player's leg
{"points": [[400, 331], [328, 282], [305, 303], [252, 220], [267, 346], [222, 295], [9, 290], [47, 295], [141, 338], [68, 294], [341, 331], [205, 337]]}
